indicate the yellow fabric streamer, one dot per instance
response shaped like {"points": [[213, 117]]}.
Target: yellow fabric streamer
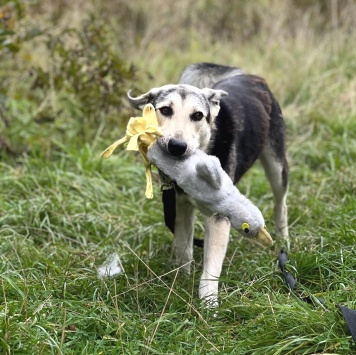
{"points": [[141, 132]]}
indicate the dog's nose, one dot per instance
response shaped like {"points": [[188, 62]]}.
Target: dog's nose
{"points": [[176, 147]]}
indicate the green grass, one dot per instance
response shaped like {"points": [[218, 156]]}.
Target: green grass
{"points": [[63, 210]]}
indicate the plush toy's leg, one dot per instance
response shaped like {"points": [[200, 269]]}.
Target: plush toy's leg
{"points": [[184, 231], [215, 244], [276, 170]]}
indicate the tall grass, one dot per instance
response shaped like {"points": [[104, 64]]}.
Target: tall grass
{"points": [[63, 210]]}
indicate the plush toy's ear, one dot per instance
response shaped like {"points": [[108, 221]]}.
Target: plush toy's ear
{"points": [[214, 97], [209, 171]]}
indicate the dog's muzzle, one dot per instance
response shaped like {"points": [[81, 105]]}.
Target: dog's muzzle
{"points": [[177, 147]]}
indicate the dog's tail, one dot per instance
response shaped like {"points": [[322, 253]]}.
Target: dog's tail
{"points": [[206, 75]]}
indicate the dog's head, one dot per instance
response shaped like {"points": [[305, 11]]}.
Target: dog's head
{"points": [[185, 113]]}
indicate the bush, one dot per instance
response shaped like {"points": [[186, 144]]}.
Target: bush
{"points": [[76, 82]]}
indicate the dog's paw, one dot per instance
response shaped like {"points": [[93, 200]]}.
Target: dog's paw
{"points": [[208, 292], [211, 302]]}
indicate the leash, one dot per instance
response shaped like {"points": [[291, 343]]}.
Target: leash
{"points": [[348, 314]]}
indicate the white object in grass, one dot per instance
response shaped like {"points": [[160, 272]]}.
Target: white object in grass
{"points": [[111, 266]]}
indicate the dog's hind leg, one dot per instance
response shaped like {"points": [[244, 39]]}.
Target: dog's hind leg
{"points": [[276, 170], [184, 231], [215, 244]]}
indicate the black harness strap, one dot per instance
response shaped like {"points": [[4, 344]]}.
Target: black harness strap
{"points": [[169, 208], [168, 200], [348, 314], [169, 189]]}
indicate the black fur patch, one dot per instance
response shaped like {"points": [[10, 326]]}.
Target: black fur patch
{"points": [[249, 117], [169, 208]]}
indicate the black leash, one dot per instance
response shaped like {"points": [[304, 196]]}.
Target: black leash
{"points": [[348, 314]]}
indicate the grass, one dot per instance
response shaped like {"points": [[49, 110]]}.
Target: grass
{"points": [[63, 210]]}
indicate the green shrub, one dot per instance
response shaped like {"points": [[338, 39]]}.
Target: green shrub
{"points": [[64, 93]]}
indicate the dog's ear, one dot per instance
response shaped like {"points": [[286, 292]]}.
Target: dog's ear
{"points": [[149, 97], [140, 101], [214, 97]]}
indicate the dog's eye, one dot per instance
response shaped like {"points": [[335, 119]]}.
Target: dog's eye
{"points": [[197, 116], [245, 227], [166, 111]]}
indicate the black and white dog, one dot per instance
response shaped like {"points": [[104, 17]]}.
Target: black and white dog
{"points": [[234, 117]]}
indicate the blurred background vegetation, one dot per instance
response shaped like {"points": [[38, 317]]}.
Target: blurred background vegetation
{"points": [[66, 65]]}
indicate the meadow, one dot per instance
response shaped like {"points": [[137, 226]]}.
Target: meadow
{"points": [[65, 68]]}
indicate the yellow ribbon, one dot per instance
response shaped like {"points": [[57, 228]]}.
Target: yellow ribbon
{"points": [[141, 132]]}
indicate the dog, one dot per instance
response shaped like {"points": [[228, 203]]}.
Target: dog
{"points": [[230, 115]]}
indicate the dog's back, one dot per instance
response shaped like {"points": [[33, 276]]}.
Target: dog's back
{"points": [[249, 120], [206, 75]]}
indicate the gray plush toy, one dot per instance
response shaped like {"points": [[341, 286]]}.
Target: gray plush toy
{"points": [[203, 179]]}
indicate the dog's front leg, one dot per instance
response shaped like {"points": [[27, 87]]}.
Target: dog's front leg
{"points": [[215, 244], [184, 231]]}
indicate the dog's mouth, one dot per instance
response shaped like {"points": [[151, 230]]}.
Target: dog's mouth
{"points": [[176, 147]]}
